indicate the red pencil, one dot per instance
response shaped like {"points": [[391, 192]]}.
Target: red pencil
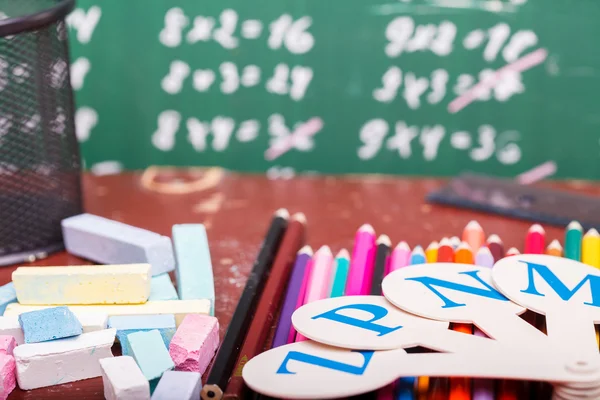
{"points": [[496, 247], [535, 241], [445, 251]]}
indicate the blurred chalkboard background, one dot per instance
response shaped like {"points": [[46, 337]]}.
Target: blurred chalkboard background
{"points": [[412, 87]]}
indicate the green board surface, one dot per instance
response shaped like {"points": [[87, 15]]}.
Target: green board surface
{"points": [[417, 87]]}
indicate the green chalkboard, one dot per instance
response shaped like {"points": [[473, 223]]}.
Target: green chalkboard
{"points": [[416, 87]]}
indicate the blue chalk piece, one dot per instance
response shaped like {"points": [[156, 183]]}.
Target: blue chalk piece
{"points": [[166, 334], [49, 324], [111, 242], [161, 288], [194, 267], [7, 296], [150, 353], [180, 385], [125, 325]]}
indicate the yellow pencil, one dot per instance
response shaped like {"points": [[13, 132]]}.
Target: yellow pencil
{"points": [[431, 252], [590, 248]]}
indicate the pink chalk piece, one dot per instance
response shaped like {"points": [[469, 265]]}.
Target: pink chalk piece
{"points": [[8, 380], [195, 343], [7, 344]]}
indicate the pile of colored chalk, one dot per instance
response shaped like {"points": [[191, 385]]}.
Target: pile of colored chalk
{"points": [[59, 324]]}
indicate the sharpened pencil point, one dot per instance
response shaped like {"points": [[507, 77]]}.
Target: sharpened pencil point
{"points": [[343, 253], [464, 246], [300, 217], [433, 245], [445, 242], [384, 239], [555, 244], [418, 250], [455, 241], [283, 213], [324, 250], [592, 232], [574, 225], [473, 225], [403, 246], [306, 250], [513, 251], [484, 250], [536, 228], [493, 238], [366, 228]]}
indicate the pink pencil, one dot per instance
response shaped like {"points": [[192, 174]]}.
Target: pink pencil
{"points": [[400, 256], [361, 263], [319, 283]]}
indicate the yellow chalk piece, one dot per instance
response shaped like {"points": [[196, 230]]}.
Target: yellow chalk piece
{"points": [[590, 248], [89, 284], [180, 308]]}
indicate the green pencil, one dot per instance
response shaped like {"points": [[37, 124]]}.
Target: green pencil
{"points": [[573, 237], [340, 273]]}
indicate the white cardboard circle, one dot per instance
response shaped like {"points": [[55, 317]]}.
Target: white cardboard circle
{"points": [[361, 323], [447, 292], [546, 284]]}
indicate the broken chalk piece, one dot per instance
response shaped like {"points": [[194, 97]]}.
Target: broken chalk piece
{"points": [[7, 296], [195, 343], [194, 267], [179, 308], [150, 353], [123, 379], [9, 326], [88, 284], [178, 385], [161, 288], [7, 375], [7, 344], [111, 242], [126, 325], [49, 324], [72, 359]]}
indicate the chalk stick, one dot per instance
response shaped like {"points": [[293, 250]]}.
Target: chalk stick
{"points": [[193, 267], [195, 343], [49, 324], [150, 353], [179, 308], [7, 375], [178, 385], [123, 379], [110, 242], [161, 288], [7, 296], [71, 359], [89, 284], [7, 344], [125, 325]]}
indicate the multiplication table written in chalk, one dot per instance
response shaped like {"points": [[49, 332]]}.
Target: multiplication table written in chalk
{"points": [[402, 87]]}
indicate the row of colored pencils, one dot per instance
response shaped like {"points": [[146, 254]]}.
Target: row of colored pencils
{"points": [[288, 274]]}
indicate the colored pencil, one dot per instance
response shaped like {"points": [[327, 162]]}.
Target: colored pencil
{"points": [[361, 263], [590, 248], [535, 240], [494, 243], [460, 388], [230, 346], [431, 252], [573, 237], [319, 282], [483, 389], [417, 256], [484, 257], [554, 249], [383, 251], [455, 242], [285, 333], [340, 273], [513, 251], [400, 257], [265, 314], [473, 235], [445, 251]]}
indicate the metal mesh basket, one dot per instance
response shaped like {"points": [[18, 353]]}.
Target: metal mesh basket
{"points": [[40, 171]]}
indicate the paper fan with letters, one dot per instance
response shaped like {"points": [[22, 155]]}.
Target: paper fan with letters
{"points": [[358, 342]]}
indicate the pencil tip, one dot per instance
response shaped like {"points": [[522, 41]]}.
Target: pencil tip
{"points": [[324, 249], [445, 242], [484, 250], [343, 253], [283, 213], [473, 225], [433, 245], [493, 238], [537, 228], [366, 228], [464, 246], [574, 225], [555, 244], [418, 250], [306, 250], [300, 217], [513, 251], [384, 239], [403, 246], [592, 232], [454, 241]]}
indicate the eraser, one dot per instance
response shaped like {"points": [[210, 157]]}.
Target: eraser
{"points": [[194, 267], [110, 242], [178, 385], [7, 344], [7, 296], [161, 288], [123, 379], [126, 325], [150, 353], [179, 308], [195, 343], [89, 284], [49, 324], [7, 375], [64, 360]]}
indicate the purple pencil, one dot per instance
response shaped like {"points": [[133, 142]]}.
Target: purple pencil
{"points": [[290, 303]]}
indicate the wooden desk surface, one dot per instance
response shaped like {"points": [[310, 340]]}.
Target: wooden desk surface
{"points": [[237, 210]]}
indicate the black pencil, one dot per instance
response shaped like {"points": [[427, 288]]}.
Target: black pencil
{"points": [[230, 346], [383, 251]]}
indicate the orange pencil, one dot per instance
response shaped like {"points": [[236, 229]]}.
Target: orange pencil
{"points": [[535, 240], [473, 235], [554, 249]]}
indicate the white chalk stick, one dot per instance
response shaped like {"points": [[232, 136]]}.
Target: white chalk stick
{"points": [[178, 385], [111, 242], [64, 360], [123, 379], [9, 325]]}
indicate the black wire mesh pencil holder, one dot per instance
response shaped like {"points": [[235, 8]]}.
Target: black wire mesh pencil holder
{"points": [[40, 167]]}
